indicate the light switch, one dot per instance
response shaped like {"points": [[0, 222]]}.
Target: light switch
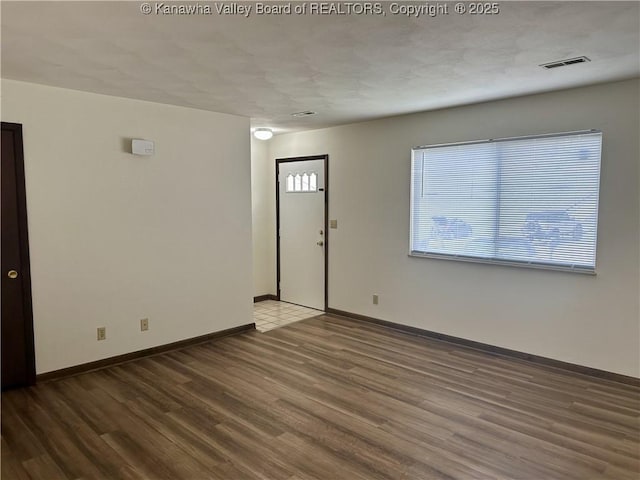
{"points": [[333, 223]]}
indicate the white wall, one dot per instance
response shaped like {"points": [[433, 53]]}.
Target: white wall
{"points": [[587, 320], [264, 226], [115, 237]]}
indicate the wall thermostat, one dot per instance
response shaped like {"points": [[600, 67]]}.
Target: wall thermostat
{"points": [[142, 147]]}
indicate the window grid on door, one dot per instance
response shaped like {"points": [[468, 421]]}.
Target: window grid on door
{"points": [[301, 182]]}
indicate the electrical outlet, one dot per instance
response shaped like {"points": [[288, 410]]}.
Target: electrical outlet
{"points": [[144, 324], [102, 333], [375, 299]]}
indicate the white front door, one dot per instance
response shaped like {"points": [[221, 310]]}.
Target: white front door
{"points": [[301, 199]]}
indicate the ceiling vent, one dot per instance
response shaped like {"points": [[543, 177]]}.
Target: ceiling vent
{"points": [[564, 63], [303, 114]]}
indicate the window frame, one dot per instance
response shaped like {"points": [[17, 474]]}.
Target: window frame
{"points": [[497, 261], [309, 190]]}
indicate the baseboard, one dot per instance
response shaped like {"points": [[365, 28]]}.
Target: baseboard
{"points": [[147, 352], [505, 352], [262, 298]]}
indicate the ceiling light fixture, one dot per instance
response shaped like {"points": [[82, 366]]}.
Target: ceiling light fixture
{"points": [[263, 133]]}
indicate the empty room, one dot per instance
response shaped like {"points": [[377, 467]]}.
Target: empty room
{"points": [[297, 240]]}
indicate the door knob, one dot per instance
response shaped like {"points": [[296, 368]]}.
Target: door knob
{"points": [[12, 274], [320, 243]]}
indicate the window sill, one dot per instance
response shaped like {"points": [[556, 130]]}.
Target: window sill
{"points": [[536, 266]]}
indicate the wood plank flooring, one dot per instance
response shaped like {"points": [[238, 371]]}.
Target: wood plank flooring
{"points": [[325, 398]]}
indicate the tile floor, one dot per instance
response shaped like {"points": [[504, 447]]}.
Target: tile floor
{"points": [[272, 314]]}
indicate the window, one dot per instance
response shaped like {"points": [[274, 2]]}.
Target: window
{"points": [[522, 201], [307, 182]]}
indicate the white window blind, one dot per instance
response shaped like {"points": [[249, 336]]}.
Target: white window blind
{"points": [[524, 201]]}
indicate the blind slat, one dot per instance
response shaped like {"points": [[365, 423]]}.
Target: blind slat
{"points": [[528, 200]]}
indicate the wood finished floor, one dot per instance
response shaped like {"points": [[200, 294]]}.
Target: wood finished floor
{"points": [[325, 398]]}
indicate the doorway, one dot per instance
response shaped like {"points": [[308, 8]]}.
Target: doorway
{"points": [[18, 359], [301, 229]]}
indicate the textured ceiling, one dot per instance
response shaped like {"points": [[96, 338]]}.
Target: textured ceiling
{"points": [[345, 67]]}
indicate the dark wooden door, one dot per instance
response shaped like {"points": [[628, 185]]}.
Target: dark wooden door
{"points": [[18, 364]]}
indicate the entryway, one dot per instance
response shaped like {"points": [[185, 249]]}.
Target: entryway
{"points": [[302, 240]]}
